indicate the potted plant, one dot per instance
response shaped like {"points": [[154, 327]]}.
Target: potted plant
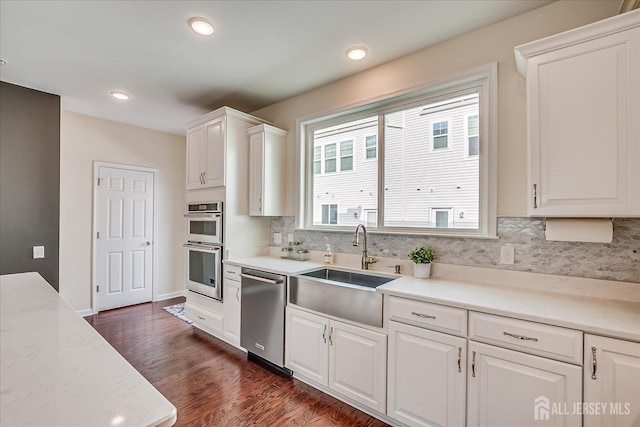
{"points": [[422, 258]]}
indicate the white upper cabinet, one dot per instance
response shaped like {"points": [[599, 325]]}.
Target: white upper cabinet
{"points": [[206, 154], [266, 182], [583, 96]]}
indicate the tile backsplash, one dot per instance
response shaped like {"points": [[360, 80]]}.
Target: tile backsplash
{"points": [[618, 260]]}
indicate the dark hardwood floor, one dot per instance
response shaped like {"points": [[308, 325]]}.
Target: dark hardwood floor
{"points": [[210, 382]]}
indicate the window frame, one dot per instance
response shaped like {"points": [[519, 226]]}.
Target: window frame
{"points": [[352, 155], [483, 78], [433, 137], [322, 205]]}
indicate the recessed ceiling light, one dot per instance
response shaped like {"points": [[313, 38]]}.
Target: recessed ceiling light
{"points": [[201, 26], [120, 95], [356, 53]]}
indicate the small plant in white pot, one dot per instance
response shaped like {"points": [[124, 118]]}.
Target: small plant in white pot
{"points": [[422, 258]]}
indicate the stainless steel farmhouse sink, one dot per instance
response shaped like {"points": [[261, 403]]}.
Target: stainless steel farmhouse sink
{"points": [[342, 293]]}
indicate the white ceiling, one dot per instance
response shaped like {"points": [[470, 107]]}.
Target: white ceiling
{"points": [[261, 52]]}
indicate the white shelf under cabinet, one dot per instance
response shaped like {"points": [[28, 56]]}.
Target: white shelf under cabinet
{"points": [[583, 96]]}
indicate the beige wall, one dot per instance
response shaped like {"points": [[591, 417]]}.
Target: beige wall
{"points": [[83, 140], [489, 44]]}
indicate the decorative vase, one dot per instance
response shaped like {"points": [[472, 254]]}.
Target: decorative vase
{"points": [[422, 271]]}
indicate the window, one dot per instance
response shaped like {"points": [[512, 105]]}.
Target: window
{"points": [[473, 136], [371, 146], [346, 156], [440, 135], [317, 160], [330, 214], [406, 188], [329, 158]]}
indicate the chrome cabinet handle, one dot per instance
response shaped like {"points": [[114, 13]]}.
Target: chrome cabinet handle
{"points": [[204, 177], [535, 196], [594, 363], [324, 334], [459, 359], [520, 337], [424, 316], [237, 296], [473, 365], [201, 318], [262, 279], [260, 204], [330, 333]]}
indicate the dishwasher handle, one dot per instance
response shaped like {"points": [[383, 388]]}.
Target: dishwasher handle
{"points": [[261, 279]]}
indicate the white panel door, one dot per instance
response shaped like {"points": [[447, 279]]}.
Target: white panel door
{"points": [[426, 380], [357, 364], [307, 348], [508, 388], [611, 382], [124, 227]]}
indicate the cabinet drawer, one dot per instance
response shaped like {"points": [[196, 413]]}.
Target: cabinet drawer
{"points": [[433, 316], [205, 303], [549, 341], [231, 271], [202, 318]]}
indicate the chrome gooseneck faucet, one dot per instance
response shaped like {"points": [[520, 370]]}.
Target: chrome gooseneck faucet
{"points": [[366, 260]]}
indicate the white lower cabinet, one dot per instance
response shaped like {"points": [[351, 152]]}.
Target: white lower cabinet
{"points": [[347, 359], [509, 388], [611, 382], [232, 300], [427, 372]]}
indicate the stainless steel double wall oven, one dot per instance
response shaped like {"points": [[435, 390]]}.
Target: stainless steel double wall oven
{"points": [[204, 248]]}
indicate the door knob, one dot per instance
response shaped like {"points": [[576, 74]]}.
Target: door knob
{"points": [[147, 243]]}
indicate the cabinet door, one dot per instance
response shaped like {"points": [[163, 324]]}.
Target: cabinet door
{"points": [[427, 372], [357, 364], [611, 382], [231, 295], [215, 153], [307, 349], [508, 388], [256, 172], [195, 153], [584, 104]]}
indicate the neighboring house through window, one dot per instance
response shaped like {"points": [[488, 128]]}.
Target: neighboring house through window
{"points": [[329, 158], [346, 156]]}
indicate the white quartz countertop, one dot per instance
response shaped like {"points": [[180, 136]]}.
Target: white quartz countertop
{"points": [[599, 307], [275, 265], [56, 370], [602, 316]]}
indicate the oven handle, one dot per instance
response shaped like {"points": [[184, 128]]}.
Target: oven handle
{"points": [[201, 247], [262, 279], [201, 215]]}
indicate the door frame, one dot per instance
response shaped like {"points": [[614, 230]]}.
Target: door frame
{"points": [[97, 164]]}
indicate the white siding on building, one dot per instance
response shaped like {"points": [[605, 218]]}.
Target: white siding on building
{"points": [[419, 180]]}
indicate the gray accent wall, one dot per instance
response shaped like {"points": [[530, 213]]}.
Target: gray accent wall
{"points": [[29, 180]]}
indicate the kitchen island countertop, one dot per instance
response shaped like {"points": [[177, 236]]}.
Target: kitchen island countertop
{"points": [[56, 370]]}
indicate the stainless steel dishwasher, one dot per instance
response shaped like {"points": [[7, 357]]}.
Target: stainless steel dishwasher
{"points": [[262, 316]]}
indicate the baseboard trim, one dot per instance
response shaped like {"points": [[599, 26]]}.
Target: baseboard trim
{"points": [[85, 312], [170, 295]]}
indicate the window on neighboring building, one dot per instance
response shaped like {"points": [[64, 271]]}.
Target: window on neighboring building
{"points": [[317, 160], [346, 156], [473, 136], [330, 214], [440, 135], [371, 146], [405, 189], [329, 158]]}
